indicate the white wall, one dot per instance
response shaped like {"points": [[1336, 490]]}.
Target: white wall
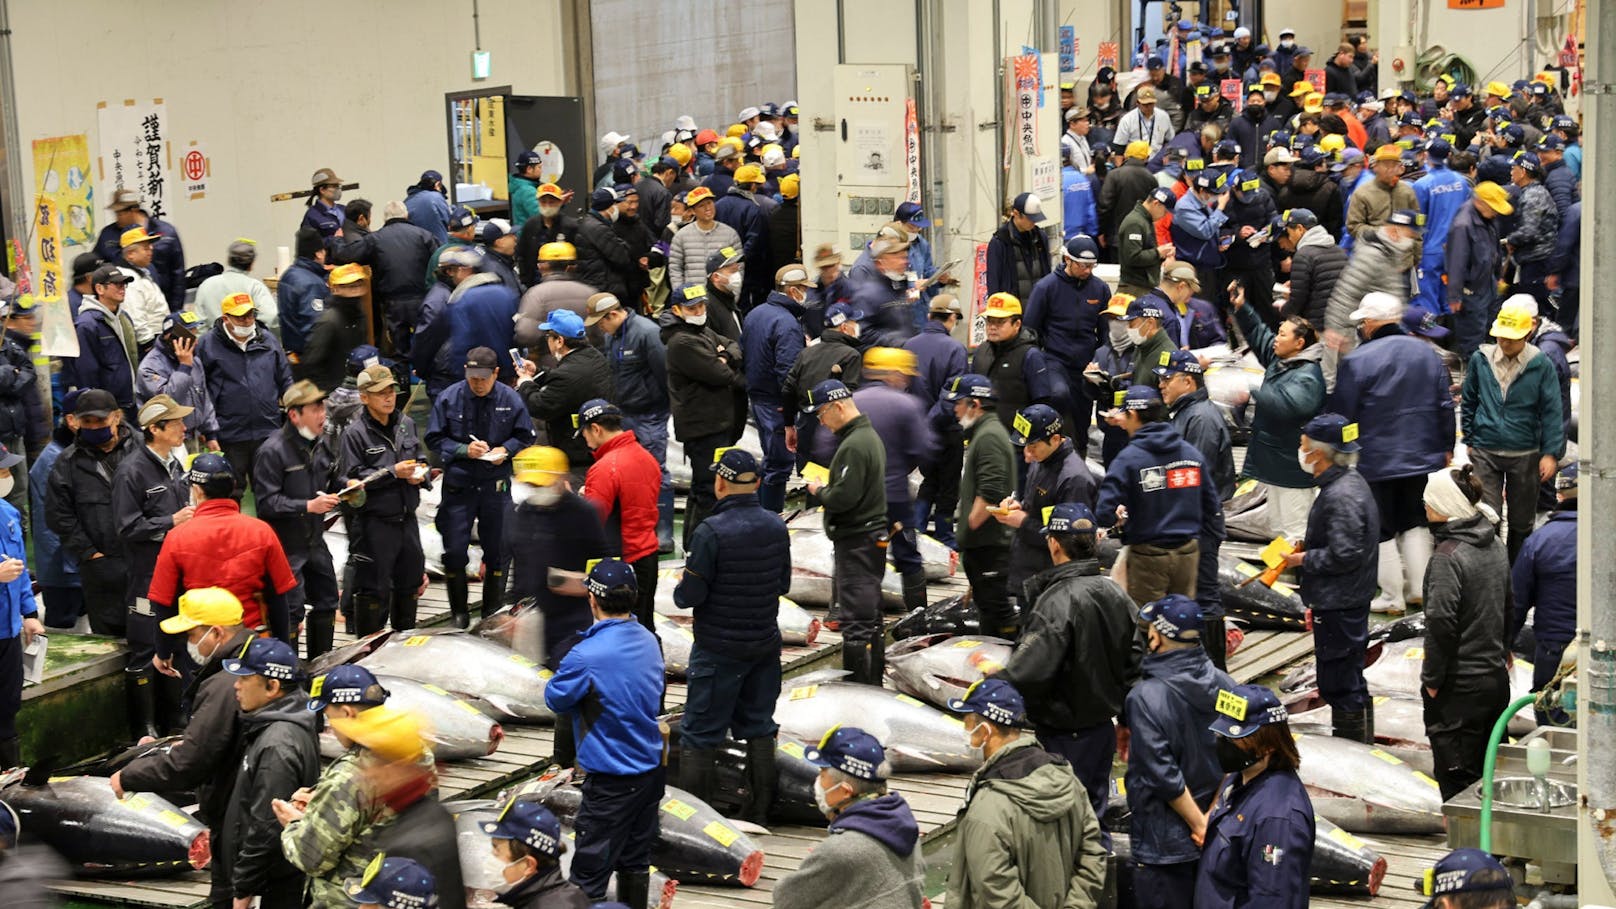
{"points": [[273, 90]]}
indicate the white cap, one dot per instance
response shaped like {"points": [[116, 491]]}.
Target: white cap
{"points": [[1374, 104], [1287, 31], [1378, 307], [766, 132], [685, 121], [1242, 32], [1389, 93], [1523, 301], [746, 114], [774, 157], [611, 141]]}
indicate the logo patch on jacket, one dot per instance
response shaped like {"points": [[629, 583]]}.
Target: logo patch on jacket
{"points": [[1183, 477], [1272, 854]]}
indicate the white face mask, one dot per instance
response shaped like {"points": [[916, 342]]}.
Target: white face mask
{"points": [[737, 279], [195, 651], [1270, 97], [307, 433], [1136, 336], [696, 320], [897, 275], [611, 214], [241, 332], [975, 750], [1287, 44], [1302, 459], [858, 329], [549, 211], [822, 801]]}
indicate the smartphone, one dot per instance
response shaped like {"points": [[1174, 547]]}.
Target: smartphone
{"points": [[516, 354]]}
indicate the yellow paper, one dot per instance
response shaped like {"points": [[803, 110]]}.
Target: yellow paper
{"points": [[804, 693], [1346, 839], [679, 809], [417, 640], [816, 473], [721, 833], [1273, 555], [1231, 705]]}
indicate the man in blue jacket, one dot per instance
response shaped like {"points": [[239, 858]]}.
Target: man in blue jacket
{"points": [[610, 685], [737, 209], [19, 615], [1173, 771], [1338, 560], [302, 292], [1442, 195], [1544, 583], [476, 427], [771, 339], [107, 351], [1471, 264], [246, 372], [428, 205], [738, 567], [1396, 388], [1065, 312], [639, 367], [168, 254], [1198, 220]]}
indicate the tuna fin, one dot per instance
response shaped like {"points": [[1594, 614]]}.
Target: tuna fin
{"points": [[908, 752], [747, 827]]}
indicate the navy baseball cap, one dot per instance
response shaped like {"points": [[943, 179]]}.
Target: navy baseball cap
{"points": [[1460, 91], [1245, 710], [1226, 147], [1138, 397], [827, 392], [9, 458], [602, 199], [592, 411], [1034, 423], [1421, 322], [850, 750], [1163, 195], [210, 466], [1514, 134], [395, 883], [729, 255], [529, 823], [1438, 148], [736, 465], [1564, 122], [838, 313], [1143, 308], [430, 176], [1528, 162], [271, 658], [1179, 361], [1154, 62], [1566, 479], [526, 159], [994, 700], [911, 213], [346, 684], [1550, 142], [1300, 216], [1310, 155], [1068, 518], [623, 171], [1175, 617], [461, 218], [968, 385], [1406, 217], [1466, 870], [610, 576], [1215, 180], [564, 322], [1333, 430], [1081, 248], [183, 319]]}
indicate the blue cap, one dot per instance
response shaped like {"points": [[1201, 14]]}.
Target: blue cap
{"points": [[463, 256], [527, 158], [183, 319], [1514, 134], [1069, 518], [1143, 308], [1301, 141], [1310, 155], [595, 409], [1364, 96], [1438, 148], [9, 458], [271, 658], [1034, 423], [1163, 195], [994, 700], [1154, 62], [1031, 207], [838, 313], [1563, 121], [1333, 430], [1467, 870], [1226, 147], [611, 576], [1178, 362], [1460, 91], [429, 177], [461, 218], [602, 199], [725, 257], [1406, 217], [1550, 142], [362, 356], [529, 823], [736, 465], [1175, 617], [1501, 113], [210, 466], [1418, 321], [1519, 84], [827, 392], [346, 684], [1566, 478], [623, 172], [911, 213], [1300, 216], [565, 323], [1215, 179], [968, 385], [1303, 50], [849, 750], [493, 229], [1540, 88], [1138, 397], [1081, 248], [395, 883], [1245, 710]]}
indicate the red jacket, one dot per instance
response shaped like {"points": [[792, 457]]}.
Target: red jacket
{"points": [[221, 547], [623, 484]]}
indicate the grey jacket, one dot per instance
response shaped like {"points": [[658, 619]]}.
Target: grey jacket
{"points": [[687, 255], [1374, 265], [1467, 602], [882, 877], [161, 374], [1537, 223]]}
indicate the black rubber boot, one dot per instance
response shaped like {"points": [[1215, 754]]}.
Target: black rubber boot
{"points": [[760, 780], [319, 632], [402, 611], [878, 661], [914, 591], [1369, 722], [369, 614], [459, 598], [493, 592], [1215, 638], [140, 697], [856, 660], [697, 769], [1347, 725], [634, 889], [10, 753]]}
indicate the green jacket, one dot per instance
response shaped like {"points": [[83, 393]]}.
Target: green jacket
{"points": [[1148, 356], [1292, 393], [855, 499], [524, 195], [336, 837], [1137, 255], [1027, 838], [1528, 420], [989, 473]]}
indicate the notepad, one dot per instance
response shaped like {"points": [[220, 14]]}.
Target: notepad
{"points": [[816, 473]]}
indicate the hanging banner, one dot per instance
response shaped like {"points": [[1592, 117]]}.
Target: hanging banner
{"points": [[1230, 90], [62, 170], [1068, 49], [49, 287], [979, 271], [1108, 54], [1027, 91], [133, 138], [911, 149], [1316, 76]]}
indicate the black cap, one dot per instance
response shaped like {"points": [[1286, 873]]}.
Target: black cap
{"points": [[110, 274], [85, 264], [481, 362], [94, 402]]}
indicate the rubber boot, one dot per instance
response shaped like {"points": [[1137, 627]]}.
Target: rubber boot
{"points": [[1389, 575], [10, 753], [878, 661], [1416, 546], [772, 497], [493, 592], [760, 780], [319, 631], [140, 698], [1215, 638], [664, 524], [697, 769], [369, 614], [168, 700], [914, 591], [856, 661], [1347, 724], [459, 599], [402, 610], [1369, 722], [565, 749], [634, 889]]}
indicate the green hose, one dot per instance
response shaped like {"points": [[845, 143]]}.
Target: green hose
{"points": [[1525, 700]]}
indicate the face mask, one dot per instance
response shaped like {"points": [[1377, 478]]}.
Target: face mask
{"points": [[307, 433], [737, 279], [195, 651], [822, 801], [95, 437], [1258, 111], [857, 330], [545, 496], [5, 486], [1231, 757], [1270, 97], [975, 750], [1287, 44], [697, 321], [894, 275], [1301, 458], [611, 214], [241, 332], [336, 195], [549, 211], [1136, 336]]}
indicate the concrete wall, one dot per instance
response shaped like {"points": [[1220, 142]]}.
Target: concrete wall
{"points": [[274, 89]]}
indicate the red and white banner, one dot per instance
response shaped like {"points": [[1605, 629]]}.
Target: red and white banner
{"points": [[1107, 55], [911, 149], [979, 272], [1026, 95]]}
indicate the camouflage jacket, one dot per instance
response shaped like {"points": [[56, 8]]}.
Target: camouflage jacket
{"points": [[335, 839]]}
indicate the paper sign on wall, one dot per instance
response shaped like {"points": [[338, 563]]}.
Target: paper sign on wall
{"points": [[979, 325], [57, 337], [133, 139], [911, 149], [62, 169], [196, 168]]}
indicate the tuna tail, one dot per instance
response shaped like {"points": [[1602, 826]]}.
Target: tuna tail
{"points": [[915, 754]]}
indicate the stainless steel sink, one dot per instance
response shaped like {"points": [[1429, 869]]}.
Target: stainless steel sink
{"points": [[1528, 794], [1520, 827]]}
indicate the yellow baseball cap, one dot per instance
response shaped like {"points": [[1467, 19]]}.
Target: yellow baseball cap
{"points": [[1498, 89], [1138, 148], [1271, 79], [558, 251], [1001, 305], [204, 606], [790, 186], [1118, 304], [749, 173], [1302, 87], [135, 235], [551, 190], [1513, 323], [680, 153], [1332, 143], [735, 131], [1313, 103], [697, 196], [891, 359], [237, 305], [1495, 197], [347, 274], [387, 732], [539, 465]]}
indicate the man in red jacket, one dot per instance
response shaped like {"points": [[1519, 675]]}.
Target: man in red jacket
{"points": [[624, 483], [221, 547]]}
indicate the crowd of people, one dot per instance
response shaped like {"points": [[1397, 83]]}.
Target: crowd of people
{"points": [[1388, 257]]}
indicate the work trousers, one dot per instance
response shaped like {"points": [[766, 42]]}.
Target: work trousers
{"points": [[1475, 314], [10, 685], [1340, 637], [616, 827], [728, 695], [645, 576], [939, 487], [105, 582], [240, 455], [777, 460], [316, 580], [486, 504], [858, 563], [1458, 721], [388, 563], [904, 546], [1162, 886], [1156, 571], [987, 570], [1546, 659], [1090, 752], [699, 451], [63, 606], [1509, 484]]}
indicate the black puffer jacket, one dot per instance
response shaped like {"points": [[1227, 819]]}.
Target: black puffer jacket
{"points": [[425, 832], [78, 504], [1316, 192], [604, 260], [1315, 267], [1061, 477], [279, 755], [738, 568], [556, 397], [1467, 602], [1080, 648], [707, 391], [836, 356]]}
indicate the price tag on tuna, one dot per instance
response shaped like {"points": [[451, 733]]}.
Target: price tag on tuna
{"points": [[1414, 653], [793, 749], [1346, 839], [1386, 756], [804, 693], [678, 809], [174, 819], [906, 699], [967, 643], [721, 833], [1427, 780], [1231, 705], [417, 640], [816, 473], [520, 660]]}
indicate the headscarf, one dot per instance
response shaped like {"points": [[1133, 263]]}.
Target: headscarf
{"points": [[1443, 496]]}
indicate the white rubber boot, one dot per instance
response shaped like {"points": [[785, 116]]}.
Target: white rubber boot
{"points": [[1390, 576], [1416, 546]]}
